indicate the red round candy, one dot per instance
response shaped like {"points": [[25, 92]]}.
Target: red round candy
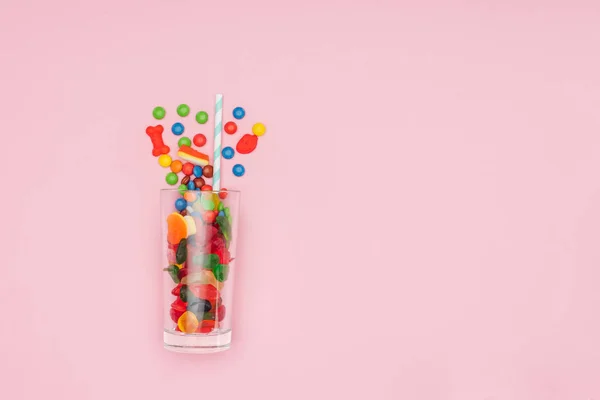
{"points": [[199, 140], [188, 168], [230, 127], [223, 194], [209, 217], [206, 188]]}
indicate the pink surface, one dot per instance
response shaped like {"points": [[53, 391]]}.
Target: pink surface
{"points": [[421, 220]]}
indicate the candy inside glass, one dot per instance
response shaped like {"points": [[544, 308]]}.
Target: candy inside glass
{"points": [[199, 238]]}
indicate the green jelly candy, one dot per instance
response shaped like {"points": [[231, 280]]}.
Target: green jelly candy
{"points": [[182, 189], [181, 253], [207, 203], [159, 112], [171, 178], [221, 272], [184, 141], [208, 261], [183, 110], [221, 206], [202, 117], [173, 271]]}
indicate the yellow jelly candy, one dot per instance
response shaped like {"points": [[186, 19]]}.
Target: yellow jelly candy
{"points": [[191, 225], [187, 323], [259, 129], [164, 160], [204, 277]]}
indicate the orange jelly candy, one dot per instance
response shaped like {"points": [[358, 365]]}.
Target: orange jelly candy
{"points": [[188, 323], [176, 228]]}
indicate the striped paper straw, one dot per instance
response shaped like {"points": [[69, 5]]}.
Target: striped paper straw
{"points": [[217, 143]]}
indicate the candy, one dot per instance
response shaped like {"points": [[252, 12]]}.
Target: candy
{"points": [[207, 171], [188, 322], [227, 153], [199, 307], [194, 156], [209, 217], [223, 194], [197, 170], [175, 314], [191, 185], [221, 272], [158, 146], [190, 197], [238, 113], [183, 212], [182, 188], [176, 166], [171, 178], [205, 277], [181, 252], [239, 170], [230, 128], [183, 110], [206, 326], [188, 168], [221, 214], [207, 203], [180, 204], [176, 228], [191, 225], [220, 313], [206, 292], [199, 182], [201, 117], [259, 129], [221, 206], [158, 112], [177, 128], [185, 180], [207, 188], [164, 160], [199, 140], [184, 141], [247, 144]]}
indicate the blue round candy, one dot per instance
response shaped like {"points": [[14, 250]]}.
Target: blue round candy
{"points": [[177, 128], [239, 170], [180, 204], [197, 171], [238, 113], [228, 153], [191, 185]]}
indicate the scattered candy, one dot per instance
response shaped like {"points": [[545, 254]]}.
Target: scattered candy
{"points": [[185, 180], [238, 113], [207, 171], [202, 117], [164, 160], [188, 168], [247, 144], [223, 194], [191, 185], [171, 178], [227, 153], [206, 188], [199, 140], [177, 128], [176, 166], [180, 204], [199, 182], [159, 112], [182, 189], [259, 129], [193, 156], [239, 170], [176, 228], [158, 146], [230, 128], [183, 110], [184, 141], [197, 170]]}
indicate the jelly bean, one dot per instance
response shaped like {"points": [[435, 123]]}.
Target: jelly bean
{"points": [[228, 153], [171, 178], [180, 204], [188, 168], [183, 110], [230, 128], [188, 323], [239, 170], [177, 128], [247, 144], [158, 112], [259, 129], [207, 188], [182, 189], [191, 185], [199, 140], [197, 171], [184, 141], [164, 160], [223, 194], [201, 117], [207, 171], [238, 113], [190, 197], [176, 166], [206, 292]]}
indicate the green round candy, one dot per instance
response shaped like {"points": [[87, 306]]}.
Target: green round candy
{"points": [[202, 117], [184, 141], [183, 110], [207, 203], [159, 112], [171, 178], [182, 189]]}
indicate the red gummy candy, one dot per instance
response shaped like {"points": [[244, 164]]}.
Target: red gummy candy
{"points": [[179, 305], [175, 314], [176, 290], [247, 144], [220, 313], [203, 291], [206, 326]]}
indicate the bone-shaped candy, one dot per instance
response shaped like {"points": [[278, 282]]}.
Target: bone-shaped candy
{"points": [[159, 147]]}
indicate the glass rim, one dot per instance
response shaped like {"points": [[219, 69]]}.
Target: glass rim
{"points": [[201, 191]]}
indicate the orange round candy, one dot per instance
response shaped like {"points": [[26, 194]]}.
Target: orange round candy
{"points": [[176, 166], [176, 228], [187, 323], [190, 197]]}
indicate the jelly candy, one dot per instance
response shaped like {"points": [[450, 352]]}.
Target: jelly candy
{"points": [[199, 307], [191, 225], [179, 305], [171, 256], [181, 254], [176, 228], [188, 322], [204, 277], [206, 326], [206, 292], [221, 272], [202, 117], [220, 313], [176, 290], [247, 144], [175, 314]]}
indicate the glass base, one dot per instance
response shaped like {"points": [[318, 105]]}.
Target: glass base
{"points": [[199, 343]]}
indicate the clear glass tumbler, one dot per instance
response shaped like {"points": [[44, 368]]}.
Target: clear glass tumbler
{"points": [[199, 237]]}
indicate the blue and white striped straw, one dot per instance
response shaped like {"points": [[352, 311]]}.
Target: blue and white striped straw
{"points": [[217, 143]]}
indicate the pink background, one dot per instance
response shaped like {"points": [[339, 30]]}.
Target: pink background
{"points": [[421, 220]]}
